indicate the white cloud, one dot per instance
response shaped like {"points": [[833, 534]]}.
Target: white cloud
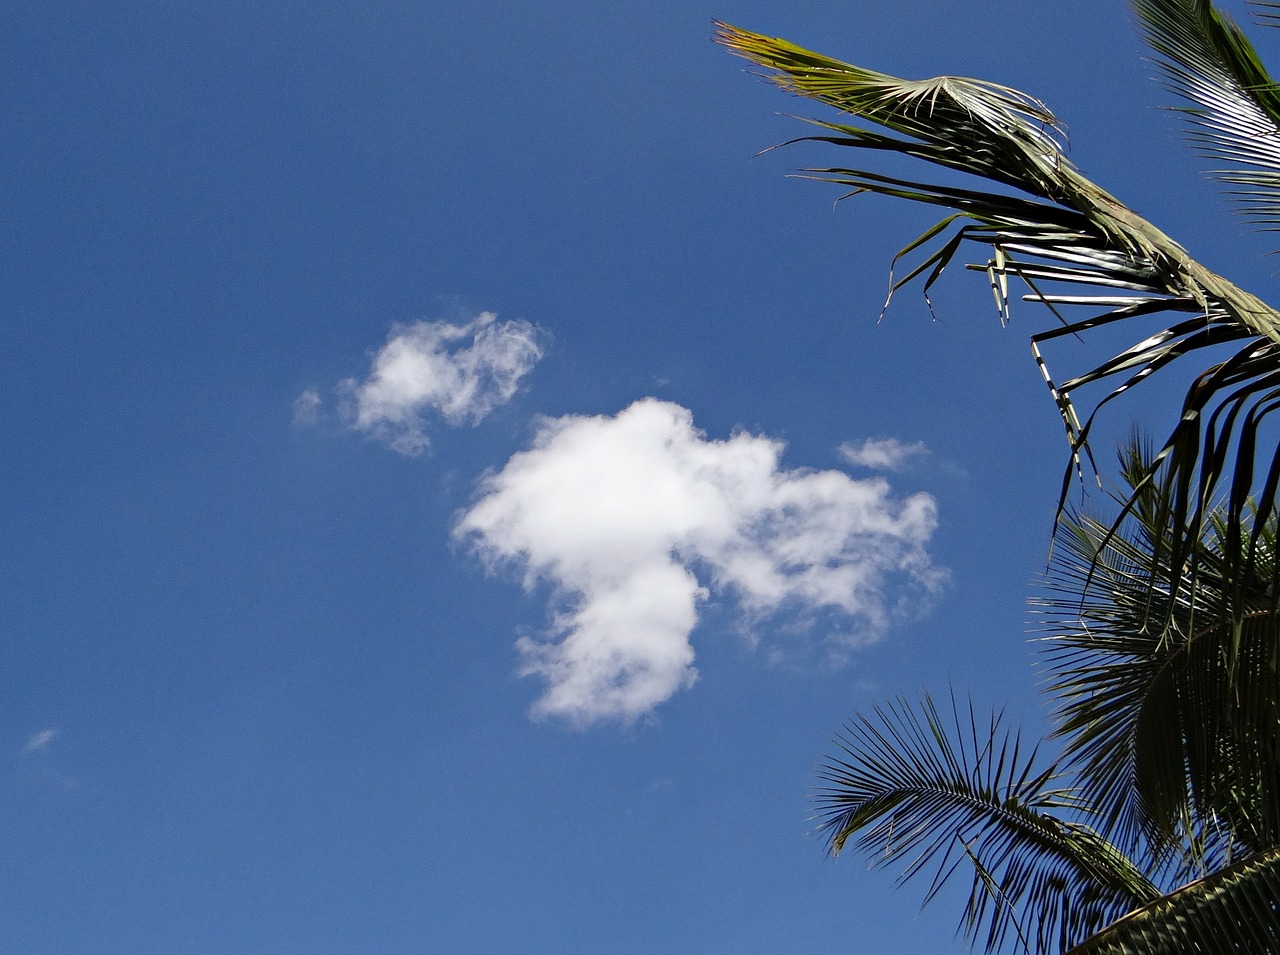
{"points": [[633, 520], [40, 740], [306, 408], [885, 454], [458, 372]]}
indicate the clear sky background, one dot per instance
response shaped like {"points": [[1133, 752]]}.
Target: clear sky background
{"points": [[452, 493]]}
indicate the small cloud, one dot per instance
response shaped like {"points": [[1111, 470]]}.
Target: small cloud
{"points": [[456, 372], [635, 520], [40, 740], [306, 408], [882, 454]]}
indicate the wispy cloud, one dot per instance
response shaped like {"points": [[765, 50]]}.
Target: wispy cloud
{"points": [[38, 741], [883, 454], [426, 370], [633, 520], [306, 408]]}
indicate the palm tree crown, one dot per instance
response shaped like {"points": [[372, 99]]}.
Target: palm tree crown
{"points": [[1156, 828]]}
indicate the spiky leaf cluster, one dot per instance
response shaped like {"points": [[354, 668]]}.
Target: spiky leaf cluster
{"points": [[1160, 621]]}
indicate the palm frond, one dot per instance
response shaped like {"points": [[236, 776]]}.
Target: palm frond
{"points": [[929, 794], [1207, 59], [1174, 731], [1063, 230], [1234, 911]]}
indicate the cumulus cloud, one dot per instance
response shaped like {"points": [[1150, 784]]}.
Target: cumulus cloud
{"points": [[457, 372], [634, 520], [40, 740], [884, 454]]}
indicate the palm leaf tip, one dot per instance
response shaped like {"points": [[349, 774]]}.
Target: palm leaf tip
{"points": [[1204, 57], [980, 127]]}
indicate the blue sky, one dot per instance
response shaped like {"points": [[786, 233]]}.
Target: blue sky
{"points": [[453, 493]]}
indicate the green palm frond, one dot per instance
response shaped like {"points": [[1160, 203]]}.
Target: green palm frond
{"points": [[1173, 731], [1005, 135], [1207, 59], [1063, 231], [931, 794], [1233, 912]]}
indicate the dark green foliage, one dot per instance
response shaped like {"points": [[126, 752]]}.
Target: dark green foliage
{"points": [[1160, 622]]}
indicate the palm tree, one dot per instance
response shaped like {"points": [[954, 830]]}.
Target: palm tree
{"points": [[1044, 223], [1173, 734], [1157, 827]]}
